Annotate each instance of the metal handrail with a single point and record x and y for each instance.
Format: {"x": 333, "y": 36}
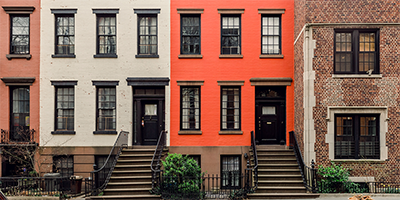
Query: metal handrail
{"x": 254, "y": 169}
{"x": 157, "y": 157}
{"x": 121, "y": 142}
{"x": 309, "y": 174}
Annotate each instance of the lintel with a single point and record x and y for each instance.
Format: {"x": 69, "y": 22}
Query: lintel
{"x": 18, "y": 80}
{"x": 148, "y": 81}
{"x": 284, "y": 81}
{"x": 190, "y": 83}
{"x": 147, "y": 11}
{"x": 63, "y": 11}
{"x": 230, "y": 83}
{"x": 190, "y": 10}
{"x": 64, "y": 83}
{"x": 271, "y": 10}
{"x": 230, "y": 11}
{"x": 105, "y": 10}
{"x": 19, "y": 9}
{"x": 105, "y": 83}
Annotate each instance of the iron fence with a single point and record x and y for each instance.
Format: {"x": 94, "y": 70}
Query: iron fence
{"x": 359, "y": 187}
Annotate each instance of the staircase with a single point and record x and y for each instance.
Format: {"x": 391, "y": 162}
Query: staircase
{"x": 279, "y": 175}
{"x": 131, "y": 178}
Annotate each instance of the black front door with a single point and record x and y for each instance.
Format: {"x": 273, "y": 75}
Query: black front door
{"x": 269, "y": 123}
{"x": 150, "y": 122}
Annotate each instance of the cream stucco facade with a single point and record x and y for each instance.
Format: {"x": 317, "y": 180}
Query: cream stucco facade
{"x": 84, "y": 68}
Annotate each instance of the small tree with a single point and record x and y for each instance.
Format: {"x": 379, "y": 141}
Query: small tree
{"x": 182, "y": 178}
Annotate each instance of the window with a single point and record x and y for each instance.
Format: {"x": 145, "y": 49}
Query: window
{"x": 230, "y": 171}
{"x": 19, "y": 34}
{"x": 190, "y": 34}
{"x": 147, "y": 35}
{"x": 230, "y": 108}
{"x": 197, "y": 158}
{"x": 63, "y": 165}
{"x": 106, "y": 34}
{"x": 271, "y": 34}
{"x": 230, "y": 34}
{"x": 190, "y": 108}
{"x": 106, "y": 109}
{"x": 65, "y": 104}
{"x": 20, "y": 113}
{"x": 65, "y": 34}
{"x": 356, "y": 51}
{"x": 357, "y": 136}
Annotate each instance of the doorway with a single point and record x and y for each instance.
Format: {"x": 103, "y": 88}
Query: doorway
{"x": 270, "y": 115}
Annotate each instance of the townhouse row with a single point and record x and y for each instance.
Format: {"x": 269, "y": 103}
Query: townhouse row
{"x": 207, "y": 72}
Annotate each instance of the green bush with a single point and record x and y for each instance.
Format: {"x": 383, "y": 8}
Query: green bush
{"x": 335, "y": 179}
{"x": 182, "y": 178}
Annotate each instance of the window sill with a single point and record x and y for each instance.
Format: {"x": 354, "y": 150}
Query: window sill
{"x": 105, "y": 132}
{"x": 18, "y": 56}
{"x": 146, "y": 56}
{"x": 230, "y": 56}
{"x": 359, "y": 160}
{"x": 190, "y": 132}
{"x": 63, "y": 132}
{"x": 356, "y": 76}
{"x": 230, "y": 132}
{"x": 271, "y": 56}
{"x": 105, "y": 56}
{"x": 183, "y": 56}
{"x": 63, "y": 56}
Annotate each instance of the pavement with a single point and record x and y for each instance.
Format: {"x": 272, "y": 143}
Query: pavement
{"x": 348, "y": 195}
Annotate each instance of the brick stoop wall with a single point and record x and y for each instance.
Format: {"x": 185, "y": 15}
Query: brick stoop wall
{"x": 369, "y": 92}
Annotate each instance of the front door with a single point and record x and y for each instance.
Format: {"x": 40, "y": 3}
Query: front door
{"x": 150, "y": 126}
{"x": 268, "y": 127}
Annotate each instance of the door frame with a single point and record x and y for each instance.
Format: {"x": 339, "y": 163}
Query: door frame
{"x": 281, "y": 102}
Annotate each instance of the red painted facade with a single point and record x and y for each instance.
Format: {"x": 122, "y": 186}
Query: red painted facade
{"x": 211, "y": 68}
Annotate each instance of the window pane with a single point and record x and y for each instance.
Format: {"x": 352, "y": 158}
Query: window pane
{"x": 190, "y": 108}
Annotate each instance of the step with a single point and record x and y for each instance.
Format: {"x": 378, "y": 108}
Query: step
{"x": 279, "y": 171}
{"x": 129, "y": 185}
{"x": 131, "y": 173}
{"x": 281, "y": 189}
{"x": 130, "y": 179}
{"x": 256, "y": 196}
{"x": 138, "y": 151}
{"x": 278, "y": 166}
{"x": 271, "y": 177}
{"x": 127, "y": 191}
{"x": 270, "y": 183}
{"x": 147, "y": 197}
{"x": 134, "y": 161}
{"x": 128, "y": 166}
{"x": 277, "y": 161}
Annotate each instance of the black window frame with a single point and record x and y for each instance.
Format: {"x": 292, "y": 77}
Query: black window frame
{"x": 105, "y": 130}
{"x": 238, "y": 172}
{"x": 239, "y": 108}
{"x": 355, "y": 51}
{"x": 149, "y": 55}
{"x": 181, "y": 108}
{"x": 21, "y": 131}
{"x": 239, "y": 35}
{"x": 64, "y": 165}
{"x": 105, "y": 55}
{"x": 56, "y": 112}
{"x": 280, "y": 33}
{"x": 11, "y": 34}
{"x": 182, "y": 36}
{"x": 356, "y": 137}
{"x": 56, "y": 36}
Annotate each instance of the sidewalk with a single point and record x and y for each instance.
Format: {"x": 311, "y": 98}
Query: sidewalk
{"x": 348, "y": 195}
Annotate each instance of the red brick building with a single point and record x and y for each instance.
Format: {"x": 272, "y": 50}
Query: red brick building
{"x": 19, "y": 74}
{"x": 347, "y": 85}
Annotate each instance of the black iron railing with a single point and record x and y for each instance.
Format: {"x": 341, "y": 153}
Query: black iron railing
{"x": 20, "y": 135}
{"x": 309, "y": 174}
{"x": 35, "y": 186}
{"x": 251, "y": 173}
{"x": 204, "y": 187}
{"x": 99, "y": 183}
{"x": 155, "y": 162}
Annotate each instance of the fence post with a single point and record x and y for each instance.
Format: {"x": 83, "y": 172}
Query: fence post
{"x": 313, "y": 178}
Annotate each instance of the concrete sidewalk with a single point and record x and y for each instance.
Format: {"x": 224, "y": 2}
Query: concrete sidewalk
{"x": 348, "y": 195}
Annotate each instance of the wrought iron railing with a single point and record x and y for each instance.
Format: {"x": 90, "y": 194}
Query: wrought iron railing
{"x": 251, "y": 173}
{"x": 35, "y": 186}
{"x": 155, "y": 162}
{"x": 98, "y": 183}
{"x": 20, "y": 135}
{"x": 309, "y": 174}
{"x": 204, "y": 187}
